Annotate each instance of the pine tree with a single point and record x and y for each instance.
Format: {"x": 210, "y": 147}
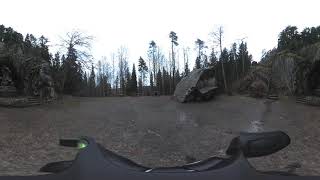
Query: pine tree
{"x": 213, "y": 58}
{"x": 92, "y": 82}
{"x": 159, "y": 81}
{"x": 233, "y": 59}
{"x": 177, "y": 76}
{"x": 71, "y": 71}
{"x": 289, "y": 39}
{"x": 167, "y": 82}
{"x": 85, "y": 85}
{"x": 174, "y": 42}
{"x": 77, "y": 45}
{"x": 44, "y": 49}
{"x": 186, "y": 69}
{"x": 142, "y": 68}
{"x": 198, "y": 63}
{"x": 56, "y": 62}
{"x": 200, "y": 46}
{"x": 151, "y": 81}
{"x": 140, "y": 86}
{"x": 134, "y": 88}
{"x": 224, "y": 58}
{"x": 244, "y": 58}
{"x": 205, "y": 61}
{"x": 128, "y": 82}
{"x": 186, "y": 61}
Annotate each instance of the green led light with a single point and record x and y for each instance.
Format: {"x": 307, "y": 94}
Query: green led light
{"x": 82, "y": 144}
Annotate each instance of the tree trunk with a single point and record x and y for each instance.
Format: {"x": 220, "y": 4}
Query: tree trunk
{"x": 174, "y": 67}
{"x": 163, "y": 86}
{"x": 103, "y": 84}
{"x": 222, "y": 66}
{"x": 237, "y": 74}
{"x": 154, "y": 67}
{"x": 142, "y": 89}
{"x": 242, "y": 65}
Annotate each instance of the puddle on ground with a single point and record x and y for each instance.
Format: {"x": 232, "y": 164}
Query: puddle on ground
{"x": 257, "y": 125}
{"x": 185, "y": 119}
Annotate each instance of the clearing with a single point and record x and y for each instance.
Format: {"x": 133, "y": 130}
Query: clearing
{"x": 157, "y": 131}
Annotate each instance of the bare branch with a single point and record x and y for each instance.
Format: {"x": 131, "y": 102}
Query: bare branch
{"x": 81, "y": 43}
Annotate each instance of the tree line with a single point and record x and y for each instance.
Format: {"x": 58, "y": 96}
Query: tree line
{"x": 73, "y": 71}
{"x": 292, "y": 40}
{"x": 159, "y": 75}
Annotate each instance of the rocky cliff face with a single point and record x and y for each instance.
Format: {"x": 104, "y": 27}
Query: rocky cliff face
{"x": 24, "y": 74}
{"x": 285, "y": 73}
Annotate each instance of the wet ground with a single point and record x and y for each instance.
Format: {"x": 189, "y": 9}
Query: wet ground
{"x": 156, "y": 131}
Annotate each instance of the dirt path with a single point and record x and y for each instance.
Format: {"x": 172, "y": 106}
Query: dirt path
{"x": 156, "y": 131}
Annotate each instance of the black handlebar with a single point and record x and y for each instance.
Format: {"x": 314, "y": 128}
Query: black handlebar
{"x": 95, "y": 163}
{"x": 258, "y": 144}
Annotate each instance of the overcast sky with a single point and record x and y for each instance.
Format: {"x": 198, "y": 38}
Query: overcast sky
{"x": 134, "y": 23}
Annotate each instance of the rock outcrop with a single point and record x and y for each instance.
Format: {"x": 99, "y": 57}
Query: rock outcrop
{"x": 24, "y": 75}
{"x": 46, "y": 83}
{"x": 285, "y": 73}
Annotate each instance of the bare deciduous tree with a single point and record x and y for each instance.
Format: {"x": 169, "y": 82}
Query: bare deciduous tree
{"x": 217, "y": 36}
{"x": 153, "y": 49}
{"x": 122, "y": 65}
{"x": 76, "y": 45}
{"x": 81, "y": 43}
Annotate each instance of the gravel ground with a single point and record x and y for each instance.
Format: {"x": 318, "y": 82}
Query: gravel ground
{"x": 157, "y": 131}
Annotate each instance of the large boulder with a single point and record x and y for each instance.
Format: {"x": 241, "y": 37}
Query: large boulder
{"x": 199, "y": 85}
{"x": 258, "y": 89}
